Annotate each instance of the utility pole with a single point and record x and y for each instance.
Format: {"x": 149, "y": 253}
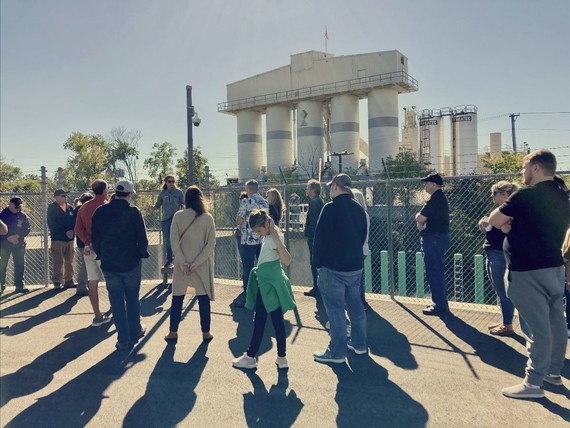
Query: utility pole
{"x": 513, "y": 117}
{"x": 340, "y": 155}
{"x": 189, "y": 116}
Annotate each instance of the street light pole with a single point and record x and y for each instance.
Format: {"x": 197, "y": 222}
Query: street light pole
{"x": 189, "y": 116}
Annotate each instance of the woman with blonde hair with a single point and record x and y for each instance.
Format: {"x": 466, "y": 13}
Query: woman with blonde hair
{"x": 276, "y": 205}
{"x": 193, "y": 238}
{"x": 496, "y": 263}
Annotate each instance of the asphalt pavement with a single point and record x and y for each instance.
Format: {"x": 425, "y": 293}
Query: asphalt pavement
{"x": 57, "y": 371}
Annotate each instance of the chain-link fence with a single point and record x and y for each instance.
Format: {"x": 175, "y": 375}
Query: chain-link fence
{"x": 394, "y": 267}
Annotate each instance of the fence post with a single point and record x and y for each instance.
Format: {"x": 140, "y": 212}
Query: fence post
{"x": 44, "y": 225}
{"x": 420, "y": 273}
{"x": 479, "y": 280}
{"x": 402, "y": 273}
{"x": 458, "y": 277}
{"x": 368, "y": 273}
{"x": 385, "y": 286}
{"x": 207, "y": 174}
{"x": 60, "y": 178}
{"x": 389, "y": 231}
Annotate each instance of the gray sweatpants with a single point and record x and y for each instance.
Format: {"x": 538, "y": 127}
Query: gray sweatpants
{"x": 538, "y": 296}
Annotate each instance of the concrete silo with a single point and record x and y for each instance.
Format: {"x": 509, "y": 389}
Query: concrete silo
{"x": 279, "y": 138}
{"x": 431, "y": 140}
{"x": 250, "y": 142}
{"x": 310, "y": 141}
{"x": 464, "y": 142}
{"x": 383, "y": 139}
{"x": 345, "y": 130}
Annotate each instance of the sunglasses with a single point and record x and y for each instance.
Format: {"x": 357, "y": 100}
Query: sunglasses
{"x": 497, "y": 192}
{"x": 171, "y": 181}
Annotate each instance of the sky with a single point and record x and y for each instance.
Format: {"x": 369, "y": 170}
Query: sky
{"x": 89, "y": 66}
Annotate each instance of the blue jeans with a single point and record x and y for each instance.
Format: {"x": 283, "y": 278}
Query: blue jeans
{"x": 248, "y": 255}
{"x": 123, "y": 289}
{"x": 19, "y": 255}
{"x": 314, "y": 270}
{"x": 165, "y": 226}
{"x": 340, "y": 289}
{"x": 496, "y": 268}
{"x": 434, "y": 248}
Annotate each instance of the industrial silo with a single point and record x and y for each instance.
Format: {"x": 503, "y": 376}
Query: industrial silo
{"x": 383, "y": 139}
{"x": 310, "y": 142}
{"x": 250, "y": 155}
{"x": 495, "y": 147}
{"x": 279, "y": 138}
{"x": 464, "y": 149}
{"x": 345, "y": 131}
{"x": 431, "y": 140}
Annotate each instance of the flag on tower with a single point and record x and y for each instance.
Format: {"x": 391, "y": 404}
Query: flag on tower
{"x": 326, "y": 33}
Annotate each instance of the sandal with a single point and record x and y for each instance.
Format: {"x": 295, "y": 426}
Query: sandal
{"x": 502, "y": 331}
{"x": 171, "y": 337}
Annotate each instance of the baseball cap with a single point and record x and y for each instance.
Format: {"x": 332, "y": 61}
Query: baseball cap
{"x": 16, "y": 200}
{"x": 434, "y": 178}
{"x": 342, "y": 180}
{"x": 60, "y": 192}
{"x": 125, "y": 186}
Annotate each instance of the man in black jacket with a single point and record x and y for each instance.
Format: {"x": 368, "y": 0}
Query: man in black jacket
{"x": 61, "y": 221}
{"x": 119, "y": 239}
{"x": 316, "y": 204}
{"x": 337, "y": 253}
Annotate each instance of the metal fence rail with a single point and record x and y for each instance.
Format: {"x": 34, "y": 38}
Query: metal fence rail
{"x": 395, "y": 266}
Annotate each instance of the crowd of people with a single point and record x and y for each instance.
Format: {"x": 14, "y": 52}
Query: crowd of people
{"x": 527, "y": 250}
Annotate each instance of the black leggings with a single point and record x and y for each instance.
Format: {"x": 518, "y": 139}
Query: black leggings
{"x": 176, "y": 312}
{"x": 259, "y": 327}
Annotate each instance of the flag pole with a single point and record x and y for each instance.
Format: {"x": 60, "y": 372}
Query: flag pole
{"x": 326, "y": 39}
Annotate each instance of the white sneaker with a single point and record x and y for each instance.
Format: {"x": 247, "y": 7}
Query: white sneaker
{"x": 244, "y": 362}
{"x": 357, "y": 351}
{"x": 282, "y": 363}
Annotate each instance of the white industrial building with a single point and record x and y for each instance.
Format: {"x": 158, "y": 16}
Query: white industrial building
{"x": 311, "y": 110}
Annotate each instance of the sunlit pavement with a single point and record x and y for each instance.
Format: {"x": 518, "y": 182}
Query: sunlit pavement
{"x": 421, "y": 371}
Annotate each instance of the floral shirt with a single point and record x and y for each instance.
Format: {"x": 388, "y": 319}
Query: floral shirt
{"x": 246, "y": 206}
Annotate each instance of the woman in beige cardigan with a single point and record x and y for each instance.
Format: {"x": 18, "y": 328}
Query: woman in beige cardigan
{"x": 193, "y": 238}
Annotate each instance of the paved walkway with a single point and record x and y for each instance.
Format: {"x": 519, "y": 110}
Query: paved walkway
{"x": 58, "y": 372}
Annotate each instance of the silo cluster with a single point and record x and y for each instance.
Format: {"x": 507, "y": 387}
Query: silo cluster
{"x": 464, "y": 141}
{"x": 311, "y": 110}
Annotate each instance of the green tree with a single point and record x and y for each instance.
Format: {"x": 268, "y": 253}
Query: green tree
{"x": 161, "y": 161}
{"x": 200, "y": 162}
{"x": 506, "y": 163}
{"x": 405, "y": 165}
{"x": 90, "y": 160}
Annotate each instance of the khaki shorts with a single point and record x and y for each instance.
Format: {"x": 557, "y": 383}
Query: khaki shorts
{"x": 93, "y": 267}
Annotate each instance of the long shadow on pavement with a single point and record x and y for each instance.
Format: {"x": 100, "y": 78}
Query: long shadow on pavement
{"x": 152, "y": 302}
{"x": 366, "y": 397}
{"x": 386, "y": 341}
{"x": 169, "y": 395}
{"x": 273, "y": 408}
{"x": 76, "y": 402}
{"x": 44, "y": 316}
{"x": 39, "y": 373}
{"x": 491, "y": 350}
{"x": 29, "y": 301}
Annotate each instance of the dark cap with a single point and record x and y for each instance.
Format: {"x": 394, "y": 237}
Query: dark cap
{"x": 434, "y": 178}
{"x": 60, "y": 192}
{"x": 342, "y": 180}
{"x": 85, "y": 197}
{"x": 16, "y": 200}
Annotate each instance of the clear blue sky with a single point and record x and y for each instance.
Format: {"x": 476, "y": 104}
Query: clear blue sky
{"x": 88, "y": 66}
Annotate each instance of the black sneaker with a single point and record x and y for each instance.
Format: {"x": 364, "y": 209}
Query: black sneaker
{"x": 2, "y": 288}
{"x": 68, "y": 284}
{"x": 57, "y": 285}
{"x": 313, "y": 292}
{"x": 22, "y": 290}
